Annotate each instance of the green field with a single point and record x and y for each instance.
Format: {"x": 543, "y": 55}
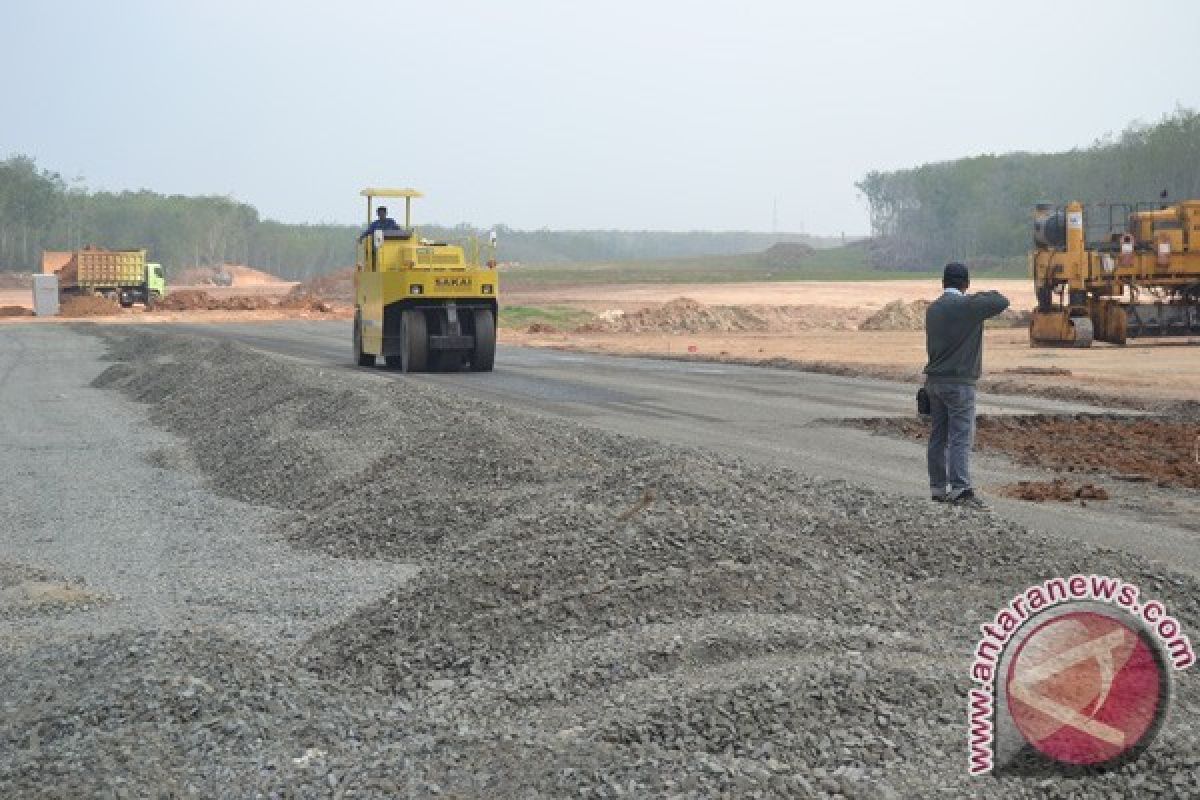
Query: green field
{"x": 560, "y": 317}
{"x": 845, "y": 263}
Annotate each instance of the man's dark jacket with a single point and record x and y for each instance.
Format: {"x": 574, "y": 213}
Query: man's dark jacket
{"x": 954, "y": 335}
{"x": 385, "y": 224}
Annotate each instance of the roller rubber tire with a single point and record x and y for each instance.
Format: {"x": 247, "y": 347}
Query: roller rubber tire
{"x": 363, "y": 359}
{"x": 483, "y": 357}
{"x": 414, "y": 338}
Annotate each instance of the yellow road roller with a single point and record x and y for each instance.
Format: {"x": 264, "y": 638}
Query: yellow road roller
{"x": 421, "y": 305}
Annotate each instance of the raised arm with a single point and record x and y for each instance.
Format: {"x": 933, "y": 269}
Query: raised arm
{"x": 988, "y": 304}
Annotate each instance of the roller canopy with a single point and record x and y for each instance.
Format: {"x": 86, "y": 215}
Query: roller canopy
{"x": 390, "y": 193}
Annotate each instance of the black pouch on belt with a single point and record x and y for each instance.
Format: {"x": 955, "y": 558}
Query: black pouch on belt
{"x": 923, "y": 402}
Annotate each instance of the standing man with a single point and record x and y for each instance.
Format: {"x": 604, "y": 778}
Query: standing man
{"x": 954, "y": 342}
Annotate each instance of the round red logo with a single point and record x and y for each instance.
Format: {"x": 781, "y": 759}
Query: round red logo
{"x": 1085, "y": 688}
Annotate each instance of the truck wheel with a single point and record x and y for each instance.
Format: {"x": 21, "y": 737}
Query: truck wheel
{"x": 414, "y": 341}
{"x": 363, "y": 359}
{"x": 483, "y": 357}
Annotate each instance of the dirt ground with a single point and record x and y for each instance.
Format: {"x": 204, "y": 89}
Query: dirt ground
{"x": 1165, "y": 452}
{"x": 1134, "y": 375}
{"x": 255, "y": 300}
{"x": 16, "y": 297}
{"x": 242, "y": 276}
{"x": 837, "y": 294}
{"x": 794, "y": 325}
{"x": 1141, "y": 465}
{"x": 1059, "y": 490}
{"x": 1139, "y": 374}
{"x": 15, "y": 289}
{"x": 800, "y": 324}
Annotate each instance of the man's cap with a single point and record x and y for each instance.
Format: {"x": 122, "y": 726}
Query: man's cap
{"x": 955, "y": 272}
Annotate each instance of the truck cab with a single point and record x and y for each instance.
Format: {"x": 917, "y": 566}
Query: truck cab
{"x": 156, "y": 283}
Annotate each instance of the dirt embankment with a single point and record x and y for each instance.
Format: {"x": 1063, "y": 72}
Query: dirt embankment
{"x": 595, "y": 613}
{"x": 88, "y": 306}
{"x": 1162, "y": 451}
{"x": 228, "y": 275}
{"x": 232, "y": 288}
{"x": 200, "y": 300}
{"x": 838, "y": 294}
{"x": 899, "y": 315}
{"x": 684, "y": 315}
{"x": 336, "y": 287}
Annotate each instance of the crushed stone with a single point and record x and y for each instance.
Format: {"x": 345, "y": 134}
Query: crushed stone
{"x": 596, "y": 615}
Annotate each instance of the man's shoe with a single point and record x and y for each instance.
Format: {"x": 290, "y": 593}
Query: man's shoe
{"x": 968, "y": 499}
{"x": 940, "y": 498}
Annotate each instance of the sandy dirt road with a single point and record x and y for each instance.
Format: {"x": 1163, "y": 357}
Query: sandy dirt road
{"x": 16, "y": 297}
{"x": 765, "y": 415}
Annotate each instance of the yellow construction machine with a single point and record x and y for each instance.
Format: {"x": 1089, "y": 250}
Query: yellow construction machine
{"x": 421, "y": 304}
{"x": 1115, "y": 272}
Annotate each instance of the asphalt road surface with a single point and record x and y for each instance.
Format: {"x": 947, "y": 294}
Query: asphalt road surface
{"x": 762, "y": 414}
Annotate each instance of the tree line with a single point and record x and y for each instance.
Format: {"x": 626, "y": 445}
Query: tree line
{"x": 39, "y": 210}
{"x": 979, "y": 209}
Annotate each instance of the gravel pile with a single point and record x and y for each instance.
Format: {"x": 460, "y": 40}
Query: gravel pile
{"x": 188, "y": 713}
{"x": 597, "y": 616}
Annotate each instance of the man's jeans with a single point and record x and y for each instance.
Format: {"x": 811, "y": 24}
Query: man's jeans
{"x": 952, "y": 412}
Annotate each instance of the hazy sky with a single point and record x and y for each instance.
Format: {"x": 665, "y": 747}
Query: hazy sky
{"x": 665, "y": 115}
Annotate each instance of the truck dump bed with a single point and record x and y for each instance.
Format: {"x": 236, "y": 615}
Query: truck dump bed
{"x": 103, "y": 269}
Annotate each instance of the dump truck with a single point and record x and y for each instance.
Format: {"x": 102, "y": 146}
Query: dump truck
{"x": 123, "y": 275}
{"x": 1115, "y": 271}
{"x": 419, "y": 304}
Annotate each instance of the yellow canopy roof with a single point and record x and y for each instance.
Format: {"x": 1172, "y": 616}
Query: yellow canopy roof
{"x": 390, "y": 193}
